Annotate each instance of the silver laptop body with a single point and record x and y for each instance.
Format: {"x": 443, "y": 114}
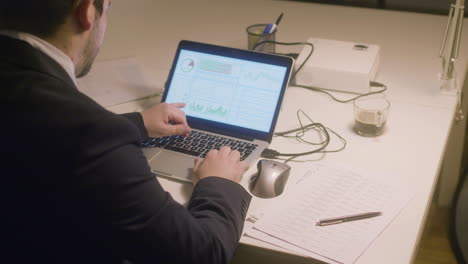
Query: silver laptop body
{"x": 230, "y": 94}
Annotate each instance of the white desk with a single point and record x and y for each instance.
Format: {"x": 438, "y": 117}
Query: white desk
{"x": 412, "y": 149}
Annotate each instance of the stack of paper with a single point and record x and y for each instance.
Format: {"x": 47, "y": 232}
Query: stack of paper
{"x": 325, "y": 192}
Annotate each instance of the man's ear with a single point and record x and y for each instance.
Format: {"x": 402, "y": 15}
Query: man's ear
{"x": 84, "y": 14}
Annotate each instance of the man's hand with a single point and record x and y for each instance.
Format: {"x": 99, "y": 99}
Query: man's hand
{"x": 166, "y": 120}
{"x": 222, "y": 163}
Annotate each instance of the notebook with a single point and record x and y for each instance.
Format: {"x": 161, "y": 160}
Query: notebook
{"x": 232, "y": 96}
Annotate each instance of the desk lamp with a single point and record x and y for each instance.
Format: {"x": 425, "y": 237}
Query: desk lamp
{"x": 450, "y": 47}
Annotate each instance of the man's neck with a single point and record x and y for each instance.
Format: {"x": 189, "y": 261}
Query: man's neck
{"x": 64, "y": 41}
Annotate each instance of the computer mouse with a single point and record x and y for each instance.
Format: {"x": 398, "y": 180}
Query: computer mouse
{"x": 270, "y": 179}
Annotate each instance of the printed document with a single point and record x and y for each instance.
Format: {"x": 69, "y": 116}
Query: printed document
{"x": 324, "y": 192}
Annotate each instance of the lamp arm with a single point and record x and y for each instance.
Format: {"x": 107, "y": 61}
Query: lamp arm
{"x": 452, "y": 38}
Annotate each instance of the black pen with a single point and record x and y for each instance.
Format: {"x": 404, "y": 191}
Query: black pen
{"x": 273, "y": 26}
{"x": 347, "y": 218}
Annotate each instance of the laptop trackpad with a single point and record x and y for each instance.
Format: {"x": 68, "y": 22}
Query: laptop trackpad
{"x": 174, "y": 164}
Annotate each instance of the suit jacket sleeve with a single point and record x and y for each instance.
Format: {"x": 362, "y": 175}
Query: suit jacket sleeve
{"x": 137, "y": 120}
{"x": 148, "y": 225}
{"x": 78, "y": 189}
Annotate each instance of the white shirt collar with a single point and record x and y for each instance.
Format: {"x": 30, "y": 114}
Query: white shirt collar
{"x": 45, "y": 47}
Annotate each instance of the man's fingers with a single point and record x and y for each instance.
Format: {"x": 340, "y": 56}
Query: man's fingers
{"x": 234, "y": 155}
{"x": 178, "y": 121}
{"x": 177, "y": 116}
{"x": 225, "y": 150}
{"x": 211, "y": 153}
{"x": 244, "y": 165}
{"x": 180, "y": 130}
{"x": 178, "y": 105}
{"x": 196, "y": 163}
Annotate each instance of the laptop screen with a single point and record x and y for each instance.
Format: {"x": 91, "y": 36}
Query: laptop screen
{"x": 229, "y": 87}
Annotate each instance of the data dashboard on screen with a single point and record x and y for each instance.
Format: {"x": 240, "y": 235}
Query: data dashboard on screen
{"x": 226, "y": 90}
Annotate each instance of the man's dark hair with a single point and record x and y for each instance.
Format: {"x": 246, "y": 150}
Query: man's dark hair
{"x": 38, "y": 17}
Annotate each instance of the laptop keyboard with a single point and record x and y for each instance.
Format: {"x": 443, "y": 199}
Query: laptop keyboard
{"x": 199, "y": 143}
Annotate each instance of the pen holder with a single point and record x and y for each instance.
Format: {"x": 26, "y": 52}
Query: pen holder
{"x": 255, "y": 35}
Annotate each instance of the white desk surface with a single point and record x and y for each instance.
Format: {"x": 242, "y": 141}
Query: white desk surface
{"x": 412, "y": 147}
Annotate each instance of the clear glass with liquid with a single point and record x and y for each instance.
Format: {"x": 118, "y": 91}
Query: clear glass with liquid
{"x": 370, "y": 115}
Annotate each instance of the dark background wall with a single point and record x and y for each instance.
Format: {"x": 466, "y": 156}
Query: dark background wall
{"x": 423, "y": 6}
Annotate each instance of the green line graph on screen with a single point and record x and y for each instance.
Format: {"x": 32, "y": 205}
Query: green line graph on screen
{"x": 209, "y": 110}
{"x": 260, "y": 78}
{"x": 255, "y": 76}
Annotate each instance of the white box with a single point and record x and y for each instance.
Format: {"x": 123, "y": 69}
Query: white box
{"x": 338, "y": 65}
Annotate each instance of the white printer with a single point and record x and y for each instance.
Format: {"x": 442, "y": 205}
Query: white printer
{"x": 338, "y": 65}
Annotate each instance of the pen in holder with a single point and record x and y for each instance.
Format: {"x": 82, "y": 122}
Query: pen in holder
{"x": 258, "y": 33}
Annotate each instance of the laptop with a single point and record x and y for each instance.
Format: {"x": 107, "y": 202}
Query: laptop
{"x": 232, "y": 96}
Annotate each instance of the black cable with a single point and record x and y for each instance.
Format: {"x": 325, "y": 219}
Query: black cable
{"x": 289, "y": 44}
{"x": 301, "y": 131}
{"x": 372, "y": 84}
{"x": 273, "y": 154}
{"x": 323, "y": 146}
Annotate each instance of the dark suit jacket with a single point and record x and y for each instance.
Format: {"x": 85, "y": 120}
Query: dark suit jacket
{"x": 76, "y": 188}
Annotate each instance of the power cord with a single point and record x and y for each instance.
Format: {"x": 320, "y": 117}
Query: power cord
{"x": 301, "y": 131}
{"x": 372, "y": 84}
{"x": 289, "y": 54}
{"x": 299, "y": 135}
{"x": 293, "y": 75}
